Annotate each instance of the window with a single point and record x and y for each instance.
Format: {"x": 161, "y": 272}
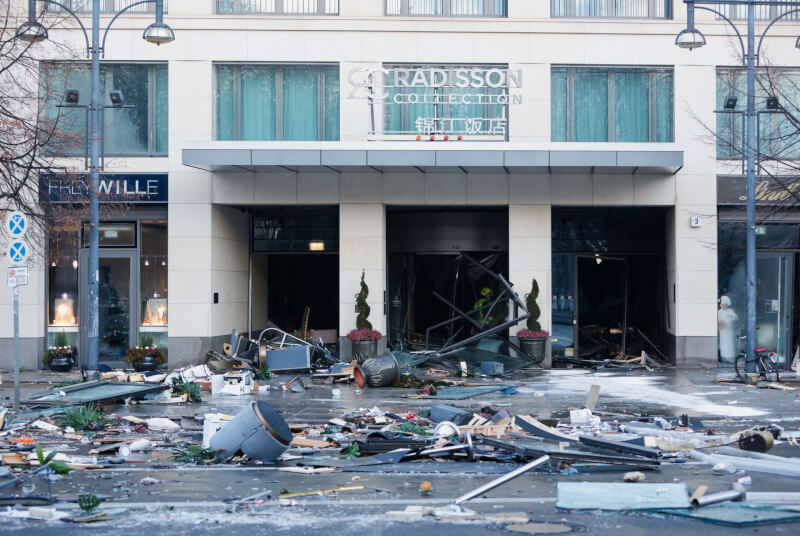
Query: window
{"x": 277, "y": 102}
{"x": 778, "y": 135}
{"x": 112, "y": 235}
{"x": 106, "y": 6}
{"x": 138, "y": 130}
{"x": 447, "y": 8}
{"x": 761, "y": 12}
{"x": 278, "y": 7}
{"x": 591, "y": 104}
{"x": 459, "y": 100}
{"x": 617, "y": 9}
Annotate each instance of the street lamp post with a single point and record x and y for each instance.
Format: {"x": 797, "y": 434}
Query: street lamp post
{"x": 158, "y": 33}
{"x": 691, "y": 38}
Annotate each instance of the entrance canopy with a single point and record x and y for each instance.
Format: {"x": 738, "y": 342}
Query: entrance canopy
{"x": 633, "y": 158}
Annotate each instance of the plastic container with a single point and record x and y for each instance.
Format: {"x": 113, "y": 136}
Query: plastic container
{"x": 258, "y": 431}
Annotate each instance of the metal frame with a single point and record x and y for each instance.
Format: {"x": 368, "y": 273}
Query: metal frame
{"x": 568, "y": 9}
{"x": 320, "y": 69}
{"x": 279, "y": 10}
{"x": 652, "y": 72}
{"x": 446, "y": 10}
{"x": 132, "y": 254}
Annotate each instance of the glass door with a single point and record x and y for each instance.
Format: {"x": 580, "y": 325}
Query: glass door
{"x": 774, "y": 273}
{"x": 118, "y": 307}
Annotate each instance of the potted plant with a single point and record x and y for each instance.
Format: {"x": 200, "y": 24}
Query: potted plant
{"x": 364, "y": 338}
{"x": 146, "y": 356}
{"x": 532, "y": 340}
{"x": 61, "y": 356}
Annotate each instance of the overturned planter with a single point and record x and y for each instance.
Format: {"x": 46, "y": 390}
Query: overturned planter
{"x": 258, "y": 431}
{"x": 381, "y": 371}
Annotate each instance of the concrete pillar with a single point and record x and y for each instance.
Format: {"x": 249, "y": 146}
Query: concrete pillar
{"x": 530, "y": 255}
{"x": 362, "y": 246}
{"x": 692, "y": 251}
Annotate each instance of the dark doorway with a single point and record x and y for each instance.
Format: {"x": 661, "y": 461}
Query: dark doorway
{"x": 424, "y": 245}
{"x": 602, "y": 311}
{"x": 609, "y": 282}
{"x": 295, "y": 282}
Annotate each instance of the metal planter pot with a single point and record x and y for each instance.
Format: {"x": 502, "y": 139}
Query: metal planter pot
{"x": 148, "y": 363}
{"x": 381, "y": 371}
{"x": 534, "y": 348}
{"x": 258, "y": 431}
{"x": 363, "y": 350}
{"x": 61, "y": 364}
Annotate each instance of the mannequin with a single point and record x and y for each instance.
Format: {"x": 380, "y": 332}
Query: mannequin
{"x": 726, "y": 320}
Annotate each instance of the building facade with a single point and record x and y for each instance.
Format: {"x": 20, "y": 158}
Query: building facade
{"x": 278, "y": 150}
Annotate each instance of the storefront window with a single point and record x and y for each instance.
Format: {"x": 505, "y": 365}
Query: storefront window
{"x": 277, "y": 102}
{"x": 153, "y": 280}
{"x": 774, "y": 278}
{"x": 592, "y": 104}
{"x": 138, "y": 128}
{"x": 63, "y": 287}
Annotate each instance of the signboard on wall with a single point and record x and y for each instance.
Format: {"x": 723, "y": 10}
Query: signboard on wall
{"x": 113, "y": 188}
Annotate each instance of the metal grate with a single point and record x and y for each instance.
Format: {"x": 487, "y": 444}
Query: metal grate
{"x": 612, "y": 9}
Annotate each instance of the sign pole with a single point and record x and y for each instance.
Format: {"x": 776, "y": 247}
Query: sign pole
{"x": 16, "y": 350}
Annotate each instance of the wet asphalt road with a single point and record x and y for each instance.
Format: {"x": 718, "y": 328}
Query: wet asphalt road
{"x": 198, "y": 500}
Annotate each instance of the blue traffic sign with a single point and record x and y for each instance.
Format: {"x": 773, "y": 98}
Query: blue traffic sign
{"x": 17, "y": 252}
{"x": 16, "y": 224}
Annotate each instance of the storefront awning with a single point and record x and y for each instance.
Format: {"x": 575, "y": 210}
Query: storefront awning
{"x": 514, "y": 157}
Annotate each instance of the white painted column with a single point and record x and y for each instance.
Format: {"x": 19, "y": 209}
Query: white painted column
{"x": 692, "y": 260}
{"x": 530, "y": 255}
{"x": 362, "y": 246}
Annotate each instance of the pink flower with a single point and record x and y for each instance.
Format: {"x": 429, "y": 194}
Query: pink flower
{"x": 528, "y": 334}
{"x": 366, "y": 334}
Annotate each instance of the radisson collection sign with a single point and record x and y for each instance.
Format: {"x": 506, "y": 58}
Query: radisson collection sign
{"x": 449, "y": 89}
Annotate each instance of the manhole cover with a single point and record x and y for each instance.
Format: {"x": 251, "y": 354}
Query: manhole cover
{"x": 540, "y": 528}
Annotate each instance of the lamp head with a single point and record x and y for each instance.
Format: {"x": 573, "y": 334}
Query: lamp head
{"x": 31, "y": 32}
{"x": 73, "y": 96}
{"x": 158, "y": 33}
{"x": 117, "y": 99}
{"x": 690, "y": 39}
{"x": 773, "y": 103}
{"x": 730, "y": 102}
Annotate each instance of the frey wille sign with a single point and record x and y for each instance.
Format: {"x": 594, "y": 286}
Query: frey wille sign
{"x": 113, "y": 188}
{"x": 769, "y": 191}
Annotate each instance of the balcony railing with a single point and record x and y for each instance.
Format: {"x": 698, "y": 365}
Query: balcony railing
{"x": 106, "y": 6}
{"x": 447, "y": 8}
{"x": 612, "y": 9}
{"x": 762, "y": 12}
{"x": 278, "y": 7}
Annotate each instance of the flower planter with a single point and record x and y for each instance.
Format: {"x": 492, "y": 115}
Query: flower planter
{"x": 61, "y": 364}
{"x": 149, "y": 362}
{"x": 534, "y": 348}
{"x": 363, "y": 350}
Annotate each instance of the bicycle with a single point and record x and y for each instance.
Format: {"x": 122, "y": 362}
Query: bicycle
{"x": 765, "y": 366}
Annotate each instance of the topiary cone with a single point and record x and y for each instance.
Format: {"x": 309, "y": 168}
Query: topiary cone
{"x": 533, "y": 307}
{"x": 362, "y": 307}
